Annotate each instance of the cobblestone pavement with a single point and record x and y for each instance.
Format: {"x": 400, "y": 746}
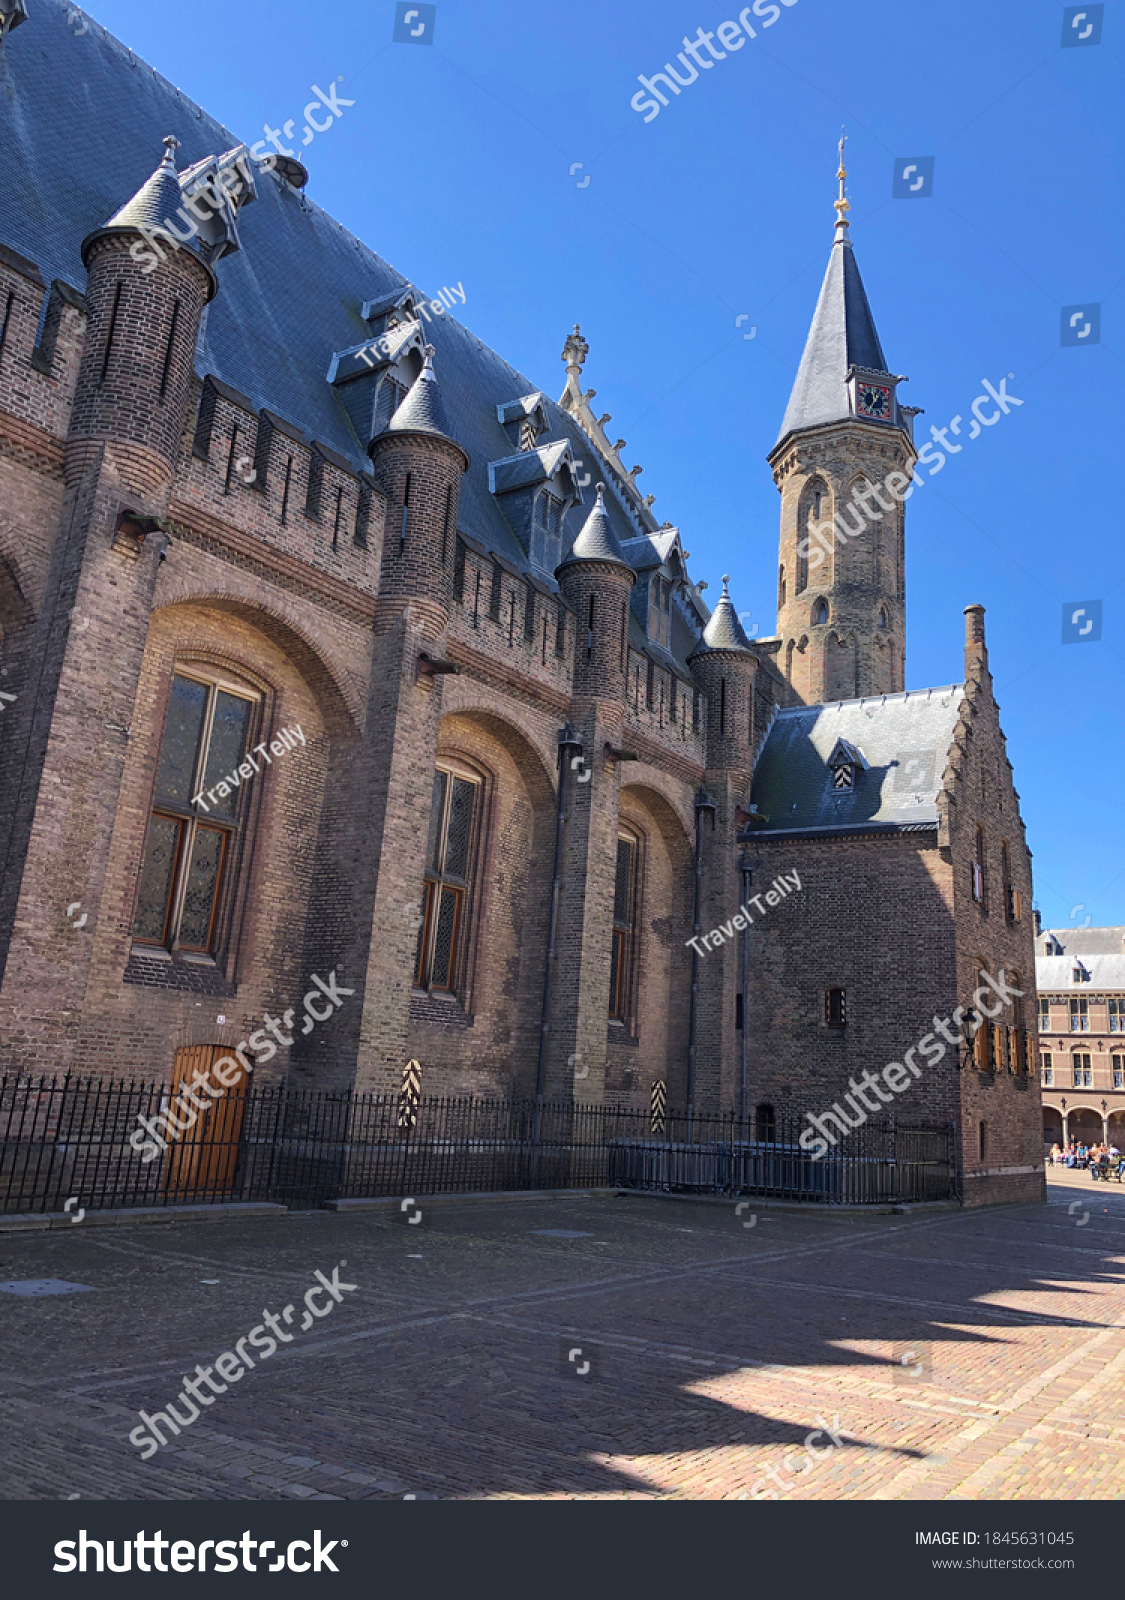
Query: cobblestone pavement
{"x": 718, "y": 1342}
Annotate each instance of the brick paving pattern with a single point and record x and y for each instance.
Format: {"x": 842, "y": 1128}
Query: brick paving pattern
{"x": 715, "y": 1350}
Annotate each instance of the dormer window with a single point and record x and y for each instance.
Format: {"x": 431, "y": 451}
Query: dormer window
{"x": 660, "y": 611}
{"x": 845, "y": 764}
{"x": 524, "y": 420}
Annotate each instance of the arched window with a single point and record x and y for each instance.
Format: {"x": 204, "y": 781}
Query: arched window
{"x": 451, "y": 852}
{"x": 622, "y": 959}
{"x": 882, "y": 616}
{"x": 808, "y": 516}
{"x": 199, "y": 811}
{"x": 820, "y": 613}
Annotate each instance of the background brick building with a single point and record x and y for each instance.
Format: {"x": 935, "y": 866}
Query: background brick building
{"x": 252, "y": 480}
{"x": 1081, "y": 980}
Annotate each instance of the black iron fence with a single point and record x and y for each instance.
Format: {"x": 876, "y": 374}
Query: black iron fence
{"x": 111, "y": 1144}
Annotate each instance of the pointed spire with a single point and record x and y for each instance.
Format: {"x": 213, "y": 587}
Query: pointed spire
{"x": 423, "y": 410}
{"x": 842, "y": 334}
{"x": 842, "y": 207}
{"x": 724, "y": 632}
{"x": 596, "y": 539}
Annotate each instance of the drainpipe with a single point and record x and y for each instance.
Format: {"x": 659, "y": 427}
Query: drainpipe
{"x": 703, "y": 803}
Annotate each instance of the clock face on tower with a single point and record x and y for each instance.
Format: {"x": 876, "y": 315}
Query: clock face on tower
{"x": 872, "y": 400}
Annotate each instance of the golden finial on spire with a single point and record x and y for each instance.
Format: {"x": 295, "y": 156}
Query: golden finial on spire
{"x": 842, "y": 207}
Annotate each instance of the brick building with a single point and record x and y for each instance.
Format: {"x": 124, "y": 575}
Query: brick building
{"x": 253, "y": 480}
{"x": 1080, "y": 973}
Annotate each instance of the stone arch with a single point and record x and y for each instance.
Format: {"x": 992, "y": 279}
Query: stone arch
{"x": 862, "y": 529}
{"x": 339, "y": 695}
{"x": 1052, "y": 1126}
{"x": 1084, "y": 1123}
{"x": 841, "y": 667}
{"x": 488, "y": 1041}
{"x": 660, "y": 811}
{"x": 814, "y": 508}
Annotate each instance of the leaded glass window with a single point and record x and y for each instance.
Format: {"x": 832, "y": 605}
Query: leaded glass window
{"x": 621, "y": 949}
{"x": 196, "y": 813}
{"x": 443, "y": 933}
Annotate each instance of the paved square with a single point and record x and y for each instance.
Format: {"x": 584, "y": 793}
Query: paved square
{"x": 726, "y": 1361}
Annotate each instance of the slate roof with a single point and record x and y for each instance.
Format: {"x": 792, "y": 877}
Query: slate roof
{"x": 1084, "y": 941}
{"x": 842, "y": 335}
{"x": 1057, "y": 972}
{"x": 81, "y": 125}
{"x": 905, "y": 740}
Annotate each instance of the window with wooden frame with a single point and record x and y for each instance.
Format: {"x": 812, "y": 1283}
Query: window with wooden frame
{"x": 983, "y": 1043}
{"x": 447, "y": 884}
{"x": 978, "y": 870}
{"x": 1017, "y": 1062}
{"x": 198, "y": 812}
{"x": 1046, "y": 1069}
{"x": 1083, "y": 1076}
{"x": 835, "y": 1008}
{"x": 1044, "y": 1014}
{"x": 1080, "y": 1015}
{"x": 1118, "y": 1064}
{"x": 1116, "y": 1015}
{"x": 622, "y": 955}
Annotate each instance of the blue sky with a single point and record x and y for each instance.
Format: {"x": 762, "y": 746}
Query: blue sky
{"x": 454, "y": 164}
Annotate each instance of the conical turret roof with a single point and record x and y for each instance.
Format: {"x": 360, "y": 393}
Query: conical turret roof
{"x": 596, "y": 539}
{"x": 423, "y": 410}
{"x": 724, "y": 633}
{"x": 157, "y": 200}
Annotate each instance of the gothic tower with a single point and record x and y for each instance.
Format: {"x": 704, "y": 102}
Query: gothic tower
{"x": 842, "y": 461}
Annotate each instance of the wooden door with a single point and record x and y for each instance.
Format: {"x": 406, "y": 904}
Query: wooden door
{"x": 204, "y": 1158}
